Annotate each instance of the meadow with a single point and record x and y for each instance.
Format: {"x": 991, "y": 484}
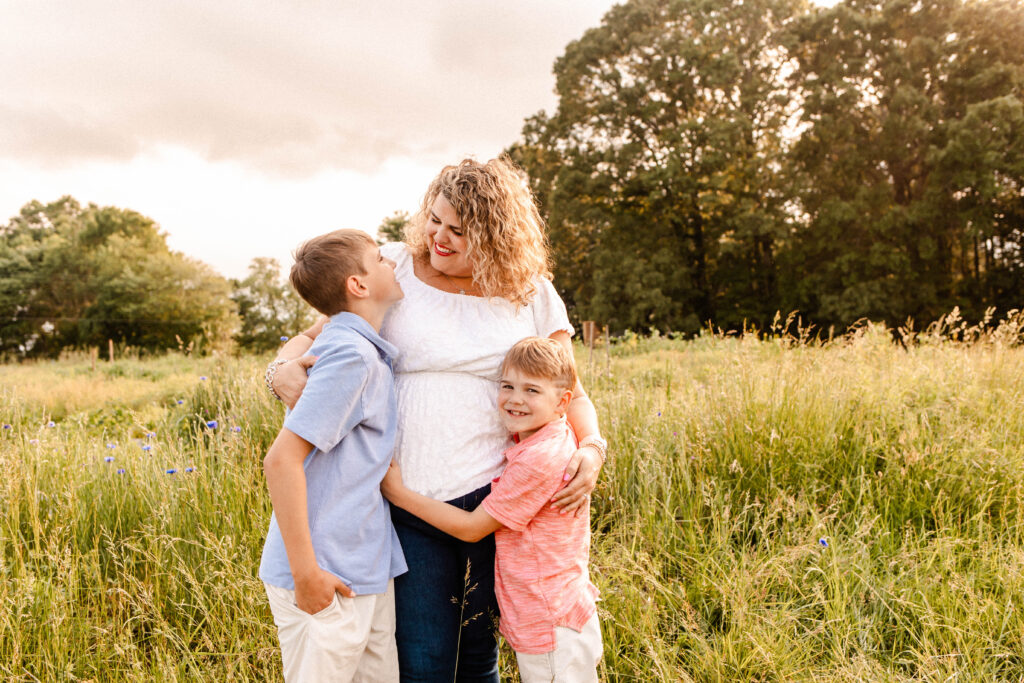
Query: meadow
{"x": 774, "y": 509}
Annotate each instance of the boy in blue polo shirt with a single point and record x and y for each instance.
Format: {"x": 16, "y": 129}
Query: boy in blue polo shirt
{"x": 331, "y": 553}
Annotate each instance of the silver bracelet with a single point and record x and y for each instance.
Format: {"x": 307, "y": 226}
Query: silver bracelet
{"x": 268, "y": 377}
{"x": 598, "y": 443}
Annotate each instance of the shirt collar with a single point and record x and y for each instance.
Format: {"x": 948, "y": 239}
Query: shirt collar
{"x": 549, "y": 430}
{"x": 358, "y": 323}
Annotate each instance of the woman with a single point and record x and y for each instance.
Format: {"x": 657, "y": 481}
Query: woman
{"x": 474, "y": 271}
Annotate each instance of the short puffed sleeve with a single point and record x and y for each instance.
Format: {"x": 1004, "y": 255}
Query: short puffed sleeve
{"x": 549, "y": 314}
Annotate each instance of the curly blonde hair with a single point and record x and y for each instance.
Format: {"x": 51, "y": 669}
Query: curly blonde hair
{"x": 502, "y": 226}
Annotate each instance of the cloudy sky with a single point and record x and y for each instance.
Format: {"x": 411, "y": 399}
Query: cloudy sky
{"x": 244, "y": 127}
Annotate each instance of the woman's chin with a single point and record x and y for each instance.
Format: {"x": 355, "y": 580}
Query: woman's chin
{"x": 448, "y": 266}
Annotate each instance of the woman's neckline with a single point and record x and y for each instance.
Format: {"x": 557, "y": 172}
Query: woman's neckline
{"x": 440, "y": 277}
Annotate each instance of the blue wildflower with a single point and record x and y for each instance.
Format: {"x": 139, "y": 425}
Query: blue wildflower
{"x": 150, "y": 435}
{"x": 236, "y": 429}
{"x": 659, "y": 413}
{"x": 6, "y": 426}
{"x": 180, "y": 402}
{"x": 120, "y": 471}
{"x": 823, "y": 542}
{"x": 171, "y": 471}
{"x": 51, "y": 423}
{"x": 109, "y": 458}
{"x": 283, "y": 338}
{"x": 202, "y": 378}
{"x": 190, "y": 469}
{"x": 212, "y": 424}
{"x": 147, "y": 447}
{"x": 111, "y": 445}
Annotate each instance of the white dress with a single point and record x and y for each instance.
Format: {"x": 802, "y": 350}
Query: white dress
{"x": 450, "y": 440}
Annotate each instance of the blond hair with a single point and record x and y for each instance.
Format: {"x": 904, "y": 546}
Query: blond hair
{"x": 324, "y": 264}
{"x": 501, "y": 224}
{"x": 542, "y": 357}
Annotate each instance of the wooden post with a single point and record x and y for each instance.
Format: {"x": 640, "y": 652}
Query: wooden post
{"x": 94, "y": 353}
{"x": 110, "y": 349}
{"x": 608, "y": 349}
{"x": 589, "y": 328}
{"x": 588, "y": 338}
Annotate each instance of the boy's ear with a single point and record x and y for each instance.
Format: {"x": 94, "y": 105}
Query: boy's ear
{"x": 355, "y": 288}
{"x": 563, "y": 403}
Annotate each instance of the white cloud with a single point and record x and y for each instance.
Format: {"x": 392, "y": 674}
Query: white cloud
{"x": 288, "y": 87}
{"x": 243, "y": 127}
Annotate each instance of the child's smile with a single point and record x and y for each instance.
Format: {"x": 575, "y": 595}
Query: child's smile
{"x": 528, "y": 403}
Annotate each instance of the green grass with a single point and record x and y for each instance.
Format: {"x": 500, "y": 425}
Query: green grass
{"x": 731, "y": 459}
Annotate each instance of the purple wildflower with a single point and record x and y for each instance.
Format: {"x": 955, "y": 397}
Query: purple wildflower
{"x": 823, "y": 542}
{"x": 171, "y": 471}
{"x": 212, "y": 424}
{"x": 109, "y": 458}
{"x": 120, "y": 471}
{"x": 147, "y": 447}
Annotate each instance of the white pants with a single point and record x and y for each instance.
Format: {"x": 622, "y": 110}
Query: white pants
{"x": 352, "y": 639}
{"x": 574, "y": 659}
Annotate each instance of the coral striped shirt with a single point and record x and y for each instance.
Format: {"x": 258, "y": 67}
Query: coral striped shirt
{"x": 541, "y": 577}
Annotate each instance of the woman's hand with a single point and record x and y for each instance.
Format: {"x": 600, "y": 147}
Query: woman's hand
{"x": 582, "y": 471}
{"x": 290, "y": 379}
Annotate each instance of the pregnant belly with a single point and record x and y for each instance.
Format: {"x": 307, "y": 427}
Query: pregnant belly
{"x": 450, "y": 440}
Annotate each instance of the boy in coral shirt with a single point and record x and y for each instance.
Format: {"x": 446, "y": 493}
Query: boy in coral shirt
{"x": 547, "y": 602}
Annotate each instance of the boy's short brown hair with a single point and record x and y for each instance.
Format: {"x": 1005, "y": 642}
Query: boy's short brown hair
{"x": 324, "y": 264}
{"x": 542, "y": 357}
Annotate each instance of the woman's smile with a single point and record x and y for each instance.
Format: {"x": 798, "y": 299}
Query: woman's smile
{"x": 448, "y": 244}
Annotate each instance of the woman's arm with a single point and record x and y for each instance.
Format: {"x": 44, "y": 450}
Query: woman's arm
{"x": 585, "y": 464}
{"x": 290, "y": 378}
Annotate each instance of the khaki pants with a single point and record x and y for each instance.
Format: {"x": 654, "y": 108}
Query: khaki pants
{"x": 574, "y": 659}
{"x": 352, "y": 639}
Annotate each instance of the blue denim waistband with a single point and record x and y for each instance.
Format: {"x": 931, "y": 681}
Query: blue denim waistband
{"x": 470, "y": 501}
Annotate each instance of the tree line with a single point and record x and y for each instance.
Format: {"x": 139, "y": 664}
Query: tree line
{"x": 76, "y": 277}
{"x": 718, "y": 161}
{"x": 709, "y": 162}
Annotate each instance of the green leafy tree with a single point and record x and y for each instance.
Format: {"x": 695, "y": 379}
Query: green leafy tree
{"x": 75, "y": 277}
{"x": 909, "y": 161}
{"x": 268, "y": 306}
{"x": 391, "y": 228}
{"x": 154, "y": 298}
{"x": 658, "y": 172}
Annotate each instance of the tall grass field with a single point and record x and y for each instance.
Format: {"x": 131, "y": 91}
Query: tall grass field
{"x": 772, "y": 510}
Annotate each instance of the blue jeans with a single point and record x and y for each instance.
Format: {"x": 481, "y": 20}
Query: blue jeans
{"x": 445, "y": 608}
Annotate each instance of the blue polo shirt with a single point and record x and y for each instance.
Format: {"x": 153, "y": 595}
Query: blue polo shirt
{"x": 348, "y": 412}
